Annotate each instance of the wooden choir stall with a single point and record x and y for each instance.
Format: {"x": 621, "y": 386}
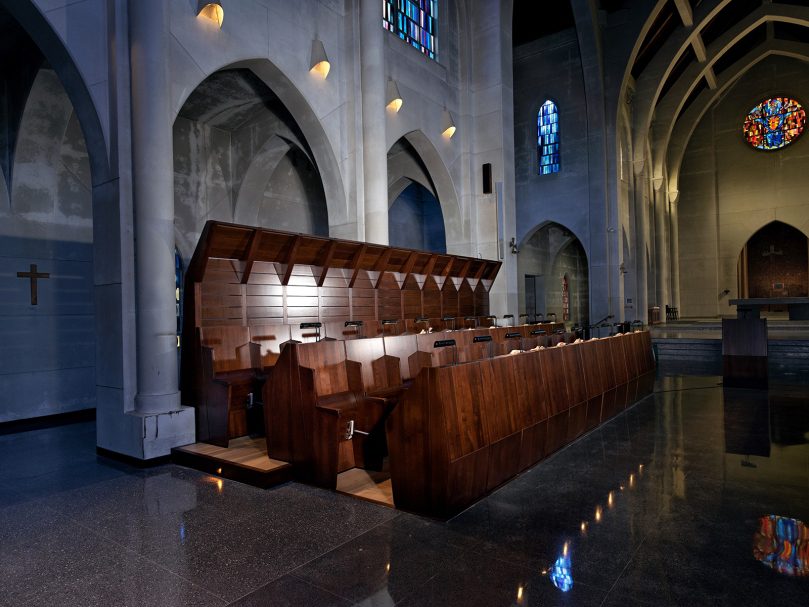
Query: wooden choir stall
{"x": 380, "y": 370}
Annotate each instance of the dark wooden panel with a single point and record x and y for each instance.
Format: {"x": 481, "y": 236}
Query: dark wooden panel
{"x": 574, "y": 374}
{"x": 553, "y": 372}
{"x": 431, "y": 296}
{"x": 532, "y": 444}
{"x": 401, "y": 347}
{"x": 504, "y": 460}
{"x": 411, "y": 298}
{"x": 449, "y": 299}
{"x": 481, "y": 300}
{"x": 269, "y": 338}
{"x": 464, "y": 397}
{"x": 466, "y": 300}
{"x": 619, "y": 362}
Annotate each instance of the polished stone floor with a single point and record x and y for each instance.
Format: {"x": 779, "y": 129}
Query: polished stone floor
{"x": 661, "y": 506}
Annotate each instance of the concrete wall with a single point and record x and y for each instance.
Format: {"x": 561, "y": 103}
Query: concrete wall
{"x": 47, "y": 351}
{"x": 550, "y": 68}
{"x": 728, "y": 190}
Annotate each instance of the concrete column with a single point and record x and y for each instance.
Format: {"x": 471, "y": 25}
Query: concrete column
{"x": 661, "y": 251}
{"x": 153, "y": 189}
{"x": 374, "y": 147}
{"x": 641, "y": 240}
{"x": 674, "y": 231}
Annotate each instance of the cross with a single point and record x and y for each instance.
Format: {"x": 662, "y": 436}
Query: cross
{"x": 33, "y": 275}
{"x": 772, "y": 251}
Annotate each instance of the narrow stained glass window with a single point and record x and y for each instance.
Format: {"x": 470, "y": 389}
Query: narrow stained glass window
{"x": 774, "y": 123}
{"x": 415, "y": 22}
{"x": 548, "y": 138}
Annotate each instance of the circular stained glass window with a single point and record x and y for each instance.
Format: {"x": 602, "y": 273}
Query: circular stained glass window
{"x": 774, "y": 123}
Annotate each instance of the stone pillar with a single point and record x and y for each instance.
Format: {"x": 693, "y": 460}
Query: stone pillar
{"x": 641, "y": 240}
{"x": 674, "y": 231}
{"x": 661, "y": 251}
{"x": 153, "y": 192}
{"x": 374, "y": 147}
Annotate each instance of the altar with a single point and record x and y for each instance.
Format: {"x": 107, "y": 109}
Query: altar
{"x": 797, "y": 307}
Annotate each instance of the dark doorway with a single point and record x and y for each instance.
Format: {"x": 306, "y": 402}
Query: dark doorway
{"x": 775, "y": 263}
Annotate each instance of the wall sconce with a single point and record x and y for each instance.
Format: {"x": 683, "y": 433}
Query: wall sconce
{"x": 513, "y": 245}
{"x": 212, "y": 11}
{"x": 622, "y": 269}
{"x": 393, "y": 96}
{"x": 320, "y": 62}
{"x": 447, "y": 124}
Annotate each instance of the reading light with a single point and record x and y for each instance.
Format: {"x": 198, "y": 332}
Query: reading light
{"x": 212, "y": 11}
{"x": 393, "y": 96}
{"x": 447, "y": 124}
{"x": 320, "y": 62}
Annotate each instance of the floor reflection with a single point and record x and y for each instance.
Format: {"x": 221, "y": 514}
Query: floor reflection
{"x": 782, "y": 544}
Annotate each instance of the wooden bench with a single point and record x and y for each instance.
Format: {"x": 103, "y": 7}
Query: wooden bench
{"x": 317, "y": 410}
{"x": 229, "y": 364}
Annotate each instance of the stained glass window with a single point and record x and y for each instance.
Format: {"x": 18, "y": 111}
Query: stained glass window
{"x": 414, "y": 21}
{"x": 774, "y": 123}
{"x": 548, "y": 138}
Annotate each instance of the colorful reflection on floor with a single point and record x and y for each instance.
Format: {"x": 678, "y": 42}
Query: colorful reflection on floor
{"x": 782, "y": 544}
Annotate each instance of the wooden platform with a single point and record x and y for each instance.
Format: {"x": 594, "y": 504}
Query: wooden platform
{"x": 244, "y": 460}
{"x": 368, "y": 485}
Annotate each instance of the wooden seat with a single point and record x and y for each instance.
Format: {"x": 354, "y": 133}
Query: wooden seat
{"x": 229, "y": 378}
{"x": 269, "y": 339}
{"x": 316, "y": 401}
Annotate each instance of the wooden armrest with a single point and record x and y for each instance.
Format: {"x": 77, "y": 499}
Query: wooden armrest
{"x": 339, "y": 403}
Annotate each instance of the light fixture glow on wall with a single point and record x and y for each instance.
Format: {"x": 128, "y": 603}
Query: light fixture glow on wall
{"x": 447, "y": 124}
{"x": 320, "y": 62}
{"x": 212, "y": 11}
{"x": 393, "y": 97}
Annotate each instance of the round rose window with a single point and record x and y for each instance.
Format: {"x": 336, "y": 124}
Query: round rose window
{"x": 774, "y": 123}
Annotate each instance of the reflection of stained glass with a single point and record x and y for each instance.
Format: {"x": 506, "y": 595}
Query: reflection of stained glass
{"x": 414, "y": 21}
{"x": 783, "y": 544}
{"x": 561, "y": 575}
{"x": 548, "y": 138}
{"x": 774, "y": 123}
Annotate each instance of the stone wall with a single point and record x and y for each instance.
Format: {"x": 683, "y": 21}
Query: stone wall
{"x": 728, "y": 190}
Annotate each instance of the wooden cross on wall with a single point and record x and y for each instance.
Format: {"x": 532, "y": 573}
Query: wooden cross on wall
{"x": 33, "y": 275}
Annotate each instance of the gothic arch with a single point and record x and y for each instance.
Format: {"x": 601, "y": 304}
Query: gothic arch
{"x": 316, "y": 144}
{"x": 442, "y": 186}
{"x": 58, "y": 56}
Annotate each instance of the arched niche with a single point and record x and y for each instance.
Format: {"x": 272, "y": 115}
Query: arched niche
{"x": 240, "y": 156}
{"x": 310, "y": 136}
{"x": 774, "y": 262}
{"x": 415, "y": 220}
{"x": 414, "y": 159}
{"x": 547, "y": 254}
{"x": 59, "y": 211}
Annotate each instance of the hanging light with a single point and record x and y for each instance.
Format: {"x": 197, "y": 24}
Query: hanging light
{"x": 447, "y": 124}
{"x": 320, "y": 62}
{"x": 212, "y": 11}
{"x": 393, "y": 96}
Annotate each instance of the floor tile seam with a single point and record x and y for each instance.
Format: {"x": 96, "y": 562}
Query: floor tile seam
{"x": 716, "y": 387}
{"x": 147, "y": 559}
{"x": 623, "y": 570}
{"x": 299, "y": 579}
{"x": 351, "y": 600}
{"x": 292, "y": 571}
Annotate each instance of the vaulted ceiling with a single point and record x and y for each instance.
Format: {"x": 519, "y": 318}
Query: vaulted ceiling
{"x": 689, "y": 53}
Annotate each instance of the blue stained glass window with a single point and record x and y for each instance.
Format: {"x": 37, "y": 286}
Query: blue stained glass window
{"x": 548, "y": 138}
{"x": 415, "y": 22}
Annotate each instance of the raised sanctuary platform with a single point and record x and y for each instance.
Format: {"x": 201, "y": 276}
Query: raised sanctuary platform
{"x": 797, "y": 307}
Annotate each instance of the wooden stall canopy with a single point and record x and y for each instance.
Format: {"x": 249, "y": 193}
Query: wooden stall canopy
{"x": 252, "y": 245}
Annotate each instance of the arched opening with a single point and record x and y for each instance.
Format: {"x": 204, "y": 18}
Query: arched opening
{"x": 415, "y": 220}
{"x": 415, "y": 216}
{"x": 240, "y": 156}
{"x": 52, "y": 161}
{"x": 774, "y": 262}
{"x": 553, "y": 273}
